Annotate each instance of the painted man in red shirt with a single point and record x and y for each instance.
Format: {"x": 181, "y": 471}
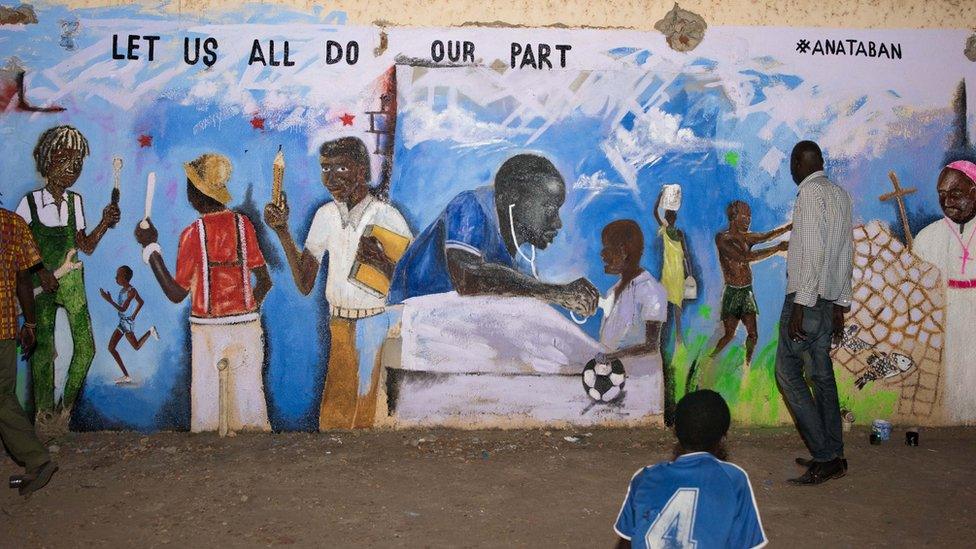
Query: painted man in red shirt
{"x": 217, "y": 255}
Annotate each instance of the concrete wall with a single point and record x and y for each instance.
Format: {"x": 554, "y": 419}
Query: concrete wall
{"x": 622, "y": 115}
{"x": 879, "y": 14}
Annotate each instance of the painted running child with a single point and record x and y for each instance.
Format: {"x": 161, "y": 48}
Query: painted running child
{"x": 127, "y": 294}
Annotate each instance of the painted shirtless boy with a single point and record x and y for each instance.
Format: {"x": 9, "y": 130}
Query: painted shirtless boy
{"x": 736, "y": 256}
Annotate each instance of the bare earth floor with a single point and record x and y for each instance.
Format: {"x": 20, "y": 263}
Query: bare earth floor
{"x": 465, "y": 488}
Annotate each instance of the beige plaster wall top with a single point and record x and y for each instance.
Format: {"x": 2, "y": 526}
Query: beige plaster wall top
{"x": 635, "y": 14}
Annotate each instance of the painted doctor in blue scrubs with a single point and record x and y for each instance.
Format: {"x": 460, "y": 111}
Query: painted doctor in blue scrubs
{"x": 475, "y": 245}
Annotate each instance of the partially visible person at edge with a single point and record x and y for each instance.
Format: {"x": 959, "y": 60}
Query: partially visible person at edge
{"x": 56, "y": 217}
{"x": 357, "y": 316}
{"x": 819, "y": 268}
{"x": 947, "y": 243}
{"x": 697, "y": 499}
{"x": 217, "y": 255}
{"x": 19, "y": 258}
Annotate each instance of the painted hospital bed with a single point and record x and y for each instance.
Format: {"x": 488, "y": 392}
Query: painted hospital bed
{"x": 488, "y": 361}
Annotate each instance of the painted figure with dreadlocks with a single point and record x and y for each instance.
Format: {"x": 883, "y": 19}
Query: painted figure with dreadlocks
{"x": 56, "y": 217}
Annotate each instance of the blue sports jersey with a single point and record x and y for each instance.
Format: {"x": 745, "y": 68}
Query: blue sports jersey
{"x": 469, "y": 223}
{"x": 695, "y": 501}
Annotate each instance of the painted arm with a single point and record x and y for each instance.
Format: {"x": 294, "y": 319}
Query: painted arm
{"x": 651, "y": 344}
{"x": 304, "y": 267}
{"x": 134, "y": 294}
{"x": 263, "y": 286}
{"x": 657, "y": 210}
{"x": 88, "y": 242}
{"x": 756, "y": 238}
{"x": 472, "y": 275}
{"x": 108, "y": 297}
{"x": 25, "y": 296}
{"x": 685, "y": 254}
{"x": 759, "y": 255}
{"x": 371, "y": 253}
{"x": 174, "y": 292}
{"x": 732, "y": 249}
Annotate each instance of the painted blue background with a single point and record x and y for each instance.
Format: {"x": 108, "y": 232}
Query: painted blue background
{"x": 426, "y": 176}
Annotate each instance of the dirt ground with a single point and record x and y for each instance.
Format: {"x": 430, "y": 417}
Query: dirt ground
{"x": 439, "y": 488}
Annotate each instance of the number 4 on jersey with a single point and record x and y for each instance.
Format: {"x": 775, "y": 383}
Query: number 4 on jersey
{"x": 675, "y": 524}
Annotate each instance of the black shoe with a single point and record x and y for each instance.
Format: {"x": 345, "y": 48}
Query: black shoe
{"x": 831, "y": 469}
{"x": 808, "y": 478}
{"x": 35, "y": 480}
{"x": 804, "y": 462}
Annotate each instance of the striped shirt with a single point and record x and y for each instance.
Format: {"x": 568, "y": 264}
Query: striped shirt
{"x": 819, "y": 262}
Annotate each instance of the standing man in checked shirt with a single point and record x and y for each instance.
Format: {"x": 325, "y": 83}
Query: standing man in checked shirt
{"x": 819, "y": 267}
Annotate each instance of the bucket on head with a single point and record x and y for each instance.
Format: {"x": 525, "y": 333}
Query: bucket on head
{"x": 671, "y": 197}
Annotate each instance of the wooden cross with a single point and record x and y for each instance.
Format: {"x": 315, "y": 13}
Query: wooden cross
{"x": 898, "y": 194}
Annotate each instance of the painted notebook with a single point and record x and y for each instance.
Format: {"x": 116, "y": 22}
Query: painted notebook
{"x": 370, "y": 278}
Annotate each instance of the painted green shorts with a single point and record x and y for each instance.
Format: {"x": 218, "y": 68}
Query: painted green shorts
{"x": 738, "y": 302}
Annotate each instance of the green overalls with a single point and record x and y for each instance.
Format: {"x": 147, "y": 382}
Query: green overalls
{"x": 54, "y": 243}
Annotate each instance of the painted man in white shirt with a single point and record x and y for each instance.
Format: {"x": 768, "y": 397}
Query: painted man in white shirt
{"x": 56, "y": 217}
{"x": 948, "y": 244}
{"x": 634, "y": 310}
{"x": 357, "y": 321}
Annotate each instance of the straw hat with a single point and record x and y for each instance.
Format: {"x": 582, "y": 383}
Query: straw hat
{"x": 209, "y": 173}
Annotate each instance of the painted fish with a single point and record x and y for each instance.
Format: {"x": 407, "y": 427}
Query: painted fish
{"x": 851, "y": 342}
{"x": 884, "y": 365}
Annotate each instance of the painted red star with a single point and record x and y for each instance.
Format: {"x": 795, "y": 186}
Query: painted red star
{"x": 347, "y": 119}
{"x": 257, "y": 123}
{"x": 145, "y": 140}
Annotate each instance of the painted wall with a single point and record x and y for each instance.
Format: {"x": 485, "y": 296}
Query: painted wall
{"x": 619, "y": 116}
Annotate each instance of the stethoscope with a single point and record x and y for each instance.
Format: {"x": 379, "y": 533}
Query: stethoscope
{"x": 531, "y": 260}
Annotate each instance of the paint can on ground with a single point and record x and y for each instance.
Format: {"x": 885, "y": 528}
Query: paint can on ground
{"x": 911, "y": 437}
{"x": 882, "y": 429}
{"x": 847, "y": 420}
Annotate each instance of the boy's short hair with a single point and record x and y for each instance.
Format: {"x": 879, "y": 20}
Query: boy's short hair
{"x": 732, "y": 207}
{"x": 627, "y": 233}
{"x": 352, "y": 147}
{"x": 701, "y": 420}
{"x": 126, "y": 272}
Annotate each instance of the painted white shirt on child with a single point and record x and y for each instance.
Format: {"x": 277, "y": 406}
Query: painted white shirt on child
{"x": 625, "y": 320}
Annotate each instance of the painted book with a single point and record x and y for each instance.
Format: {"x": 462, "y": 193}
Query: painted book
{"x": 369, "y": 277}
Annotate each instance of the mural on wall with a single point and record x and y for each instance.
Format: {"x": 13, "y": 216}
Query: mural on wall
{"x": 331, "y": 227}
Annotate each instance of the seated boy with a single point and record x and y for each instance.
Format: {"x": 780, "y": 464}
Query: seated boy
{"x": 696, "y": 500}
{"x": 634, "y": 310}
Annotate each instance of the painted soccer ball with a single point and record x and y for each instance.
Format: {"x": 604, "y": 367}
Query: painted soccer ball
{"x": 603, "y": 382}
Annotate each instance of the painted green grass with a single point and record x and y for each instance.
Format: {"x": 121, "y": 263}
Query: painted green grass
{"x": 752, "y": 393}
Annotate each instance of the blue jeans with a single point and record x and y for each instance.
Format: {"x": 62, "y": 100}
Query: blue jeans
{"x": 817, "y": 415}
